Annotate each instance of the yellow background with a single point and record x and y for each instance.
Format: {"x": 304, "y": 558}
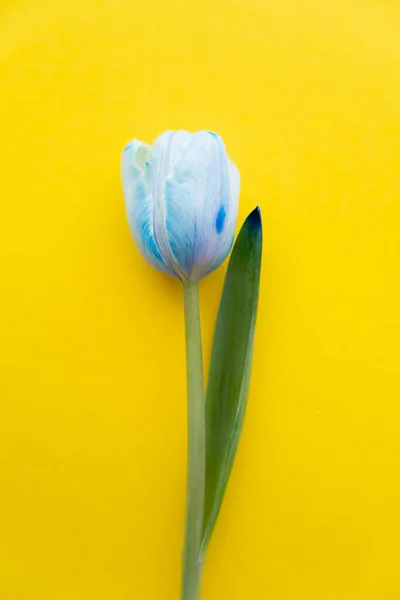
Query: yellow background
{"x": 306, "y": 94}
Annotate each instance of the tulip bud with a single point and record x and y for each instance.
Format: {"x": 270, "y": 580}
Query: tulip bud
{"x": 181, "y": 197}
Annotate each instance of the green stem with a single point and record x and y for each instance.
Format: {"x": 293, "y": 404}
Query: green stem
{"x": 192, "y": 567}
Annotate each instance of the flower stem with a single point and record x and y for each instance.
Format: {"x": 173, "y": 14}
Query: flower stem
{"x": 192, "y": 567}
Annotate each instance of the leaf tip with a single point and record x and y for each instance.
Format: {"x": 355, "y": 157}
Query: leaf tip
{"x": 254, "y": 218}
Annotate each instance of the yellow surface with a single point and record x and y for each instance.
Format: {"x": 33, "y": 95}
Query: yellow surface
{"x": 92, "y": 424}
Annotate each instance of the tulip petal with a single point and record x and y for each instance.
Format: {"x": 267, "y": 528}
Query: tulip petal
{"x": 184, "y": 198}
{"x": 139, "y": 203}
{"x": 219, "y": 214}
{"x": 227, "y": 235}
{"x": 164, "y": 151}
{"x": 196, "y": 205}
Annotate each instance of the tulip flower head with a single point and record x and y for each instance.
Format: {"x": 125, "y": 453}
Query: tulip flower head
{"x": 181, "y": 197}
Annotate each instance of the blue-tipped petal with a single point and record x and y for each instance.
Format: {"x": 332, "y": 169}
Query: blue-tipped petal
{"x": 139, "y": 204}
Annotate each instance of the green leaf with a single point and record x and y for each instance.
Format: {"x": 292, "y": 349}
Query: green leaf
{"x": 230, "y": 367}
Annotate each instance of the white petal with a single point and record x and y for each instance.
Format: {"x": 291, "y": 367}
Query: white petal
{"x": 234, "y": 182}
{"x": 220, "y": 213}
{"x": 139, "y": 203}
{"x": 225, "y": 240}
{"x": 166, "y": 152}
{"x": 184, "y": 200}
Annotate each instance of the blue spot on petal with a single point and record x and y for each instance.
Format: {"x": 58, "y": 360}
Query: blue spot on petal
{"x": 219, "y": 223}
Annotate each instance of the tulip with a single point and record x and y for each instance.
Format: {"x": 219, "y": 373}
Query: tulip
{"x": 181, "y": 197}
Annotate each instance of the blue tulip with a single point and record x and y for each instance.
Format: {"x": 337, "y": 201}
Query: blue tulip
{"x": 181, "y": 197}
